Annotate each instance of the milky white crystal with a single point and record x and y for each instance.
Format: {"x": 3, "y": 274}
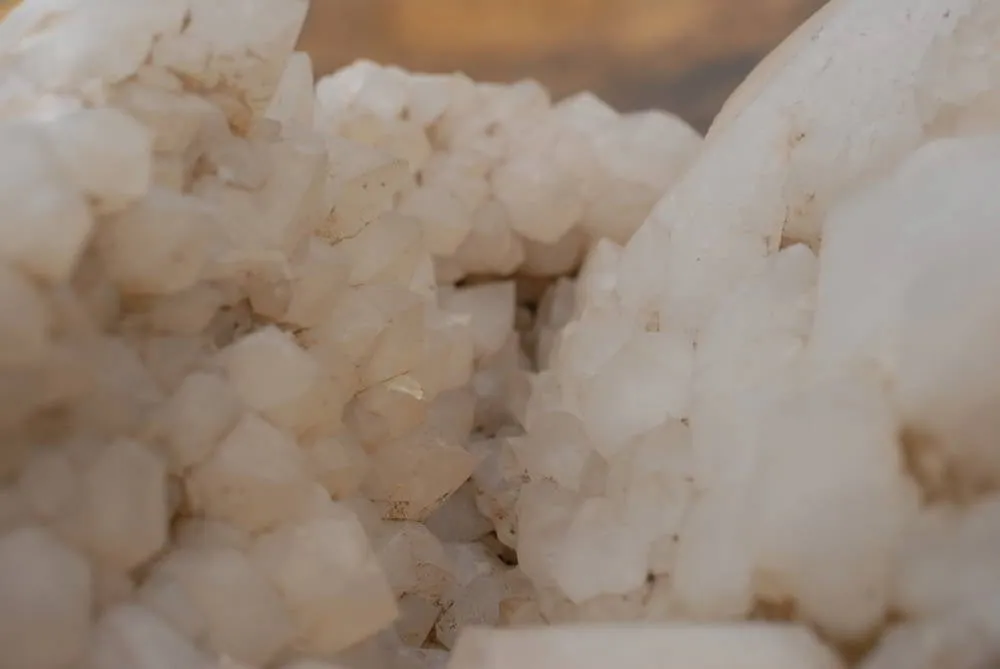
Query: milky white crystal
{"x": 256, "y": 477}
{"x": 323, "y": 374}
{"x": 328, "y": 579}
{"x": 734, "y": 646}
{"x": 46, "y": 591}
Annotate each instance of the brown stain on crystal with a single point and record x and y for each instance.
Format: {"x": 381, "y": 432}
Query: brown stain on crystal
{"x": 685, "y": 56}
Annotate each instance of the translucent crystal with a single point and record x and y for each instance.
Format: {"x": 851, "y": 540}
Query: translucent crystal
{"x": 45, "y": 588}
{"x": 256, "y": 477}
{"x": 158, "y": 245}
{"x": 24, "y": 339}
{"x": 125, "y": 504}
{"x": 242, "y": 614}
{"x": 46, "y": 221}
{"x": 747, "y": 646}
{"x": 269, "y": 369}
{"x": 132, "y": 636}
{"x": 329, "y": 579}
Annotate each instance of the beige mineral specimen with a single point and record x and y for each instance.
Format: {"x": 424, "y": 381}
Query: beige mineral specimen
{"x": 734, "y": 646}
{"x": 315, "y": 375}
{"x": 239, "y": 613}
{"x": 329, "y": 579}
{"x": 196, "y": 417}
{"x": 125, "y": 505}
{"x": 46, "y": 589}
{"x": 47, "y": 222}
{"x": 821, "y": 129}
{"x": 501, "y": 167}
{"x": 767, "y": 325}
{"x": 256, "y": 478}
{"x": 26, "y": 338}
{"x": 132, "y": 636}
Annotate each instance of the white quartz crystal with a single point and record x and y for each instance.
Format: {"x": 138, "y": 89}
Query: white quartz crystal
{"x": 733, "y": 646}
{"x": 302, "y": 374}
{"x": 46, "y": 591}
{"x": 490, "y": 308}
{"x": 47, "y": 222}
{"x": 329, "y": 579}
{"x": 196, "y": 417}
{"x": 132, "y": 636}
{"x": 125, "y": 504}
{"x": 242, "y": 615}
{"x": 874, "y": 317}
{"x": 25, "y": 338}
{"x": 256, "y": 477}
{"x": 269, "y": 370}
{"x": 158, "y": 245}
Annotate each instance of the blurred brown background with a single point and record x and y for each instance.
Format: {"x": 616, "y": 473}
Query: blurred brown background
{"x": 685, "y": 56}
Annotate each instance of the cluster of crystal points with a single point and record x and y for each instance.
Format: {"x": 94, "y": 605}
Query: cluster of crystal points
{"x": 270, "y": 401}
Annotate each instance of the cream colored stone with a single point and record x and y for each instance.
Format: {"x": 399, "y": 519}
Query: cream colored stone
{"x": 123, "y": 173}
{"x": 256, "y": 478}
{"x": 641, "y": 647}
{"x": 797, "y": 123}
{"x": 293, "y": 103}
{"x": 338, "y": 463}
{"x": 362, "y": 183}
{"x": 24, "y": 336}
{"x": 199, "y": 414}
{"x": 329, "y": 579}
{"x": 243, "y": 615}
{"x": 158, "y": 245}
{"x": 125, "y": 504}
{"x": 45, "y": 590}
{"x": 46, "y": 222}
{"x": 132, "y": 636}
{"x": 269, "y": 370}
{"x": 491, "y": 310}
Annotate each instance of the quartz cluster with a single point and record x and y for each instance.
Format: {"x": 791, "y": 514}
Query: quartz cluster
{"x": 318, "y": 375}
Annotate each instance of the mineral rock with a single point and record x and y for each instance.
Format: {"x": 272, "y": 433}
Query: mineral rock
{"x": 125, "y": 504}
{"x": 46, "y": 591}
{"x": 329, "y": 579}
{"x": 316, "y": 375}
{"x": 241, "y": 613}
{"x": 256, "y": 478}
{"x": 748, "y": 646}
{"x": 131, "y": 636}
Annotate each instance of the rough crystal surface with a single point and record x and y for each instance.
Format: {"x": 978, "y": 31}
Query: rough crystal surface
{"x": 347, "y": 374}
